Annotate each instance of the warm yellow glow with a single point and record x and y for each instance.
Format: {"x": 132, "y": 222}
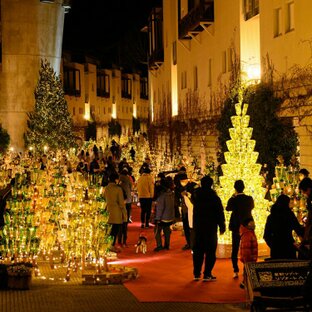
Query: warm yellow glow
{"x": 87, "y": 111}
{"x": 114, "y": 110}
{"x": 45, "y": 148}
{"x": 135, "y": 110}
{"x": 253, "y": 72}
{"x": 174, "y": 90}
{"x": 241, "y": 165}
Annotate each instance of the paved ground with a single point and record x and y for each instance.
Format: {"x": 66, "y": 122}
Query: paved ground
{"x": 53, "y": 294}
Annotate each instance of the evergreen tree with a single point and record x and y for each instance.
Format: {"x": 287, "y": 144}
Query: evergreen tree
{"x": 50, "y": 123}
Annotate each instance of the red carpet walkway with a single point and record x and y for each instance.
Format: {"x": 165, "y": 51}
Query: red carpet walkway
{"x": 167, "y": 276}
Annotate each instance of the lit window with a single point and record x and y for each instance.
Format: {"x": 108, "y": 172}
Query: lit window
{"x": 290, "y": 19}
{"x": 277, "y": 22}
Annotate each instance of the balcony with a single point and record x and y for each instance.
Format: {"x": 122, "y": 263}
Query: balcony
{"x": 155, "y": 32}
{"x": 156, "y": 59}
{"x": 196, "y": 20}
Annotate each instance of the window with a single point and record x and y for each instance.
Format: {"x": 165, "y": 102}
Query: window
{"x": 126, "y": 87}
{"x": 184, "y": 80}
{"x": 290, "y": 18}
{"x": 209, "y": 72}
{"x": 223, "y": 62}
{"x": 71, "y": 81}
{"x": 74, "y": 111}
{"x": 174, "y": 53}
{"x": 104, "y": 110}
{"x": 80, "y": 110}
{"x": 102, "y": 84}
{"x": 277, "y": 22}
{"x": 251, "y": 8}
{"x": 195, "y": 78}
{"x": 143, "y": 89}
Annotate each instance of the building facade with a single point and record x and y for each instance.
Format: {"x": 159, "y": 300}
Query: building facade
{"x": 31, "y": 30}
{"x": 96, "y": 96}
{"x": 196, "y": 47}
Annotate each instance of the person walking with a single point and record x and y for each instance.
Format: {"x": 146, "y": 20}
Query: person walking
{"x": 164, "y": 215}
{"x": 126, "y": 185}
{"x": 279, "y": 227}
{"x": 186, "y": 190}
{"x": 115, "y": 206}
{"x": 145, "y": 188}
{"x": 208, "y": 215}
{"x": 305, "y": 186}
{"x": 241, "y": 206}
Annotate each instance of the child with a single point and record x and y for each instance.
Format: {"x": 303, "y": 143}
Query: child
{"x": 248, "y": 244}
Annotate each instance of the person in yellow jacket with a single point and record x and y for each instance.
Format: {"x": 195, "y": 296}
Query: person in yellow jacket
{"x": 145, "y": 187}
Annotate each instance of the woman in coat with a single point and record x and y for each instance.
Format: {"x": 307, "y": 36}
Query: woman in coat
{"x": 115, "y": 205}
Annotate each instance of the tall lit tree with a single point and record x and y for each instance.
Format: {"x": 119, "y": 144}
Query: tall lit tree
{"x": 50, "y": 123}
{"x": 241, "y": 165}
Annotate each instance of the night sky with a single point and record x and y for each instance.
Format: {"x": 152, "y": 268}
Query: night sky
{"x": 104, "y": 28}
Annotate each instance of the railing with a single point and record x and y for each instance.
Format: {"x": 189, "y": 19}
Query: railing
{"x": 156, "y": 57}
{"x": 202, "y": 13}
{"x": 125, "y": 95}
{"x": 102, "y": 93}
{"x": 72, "y": 92}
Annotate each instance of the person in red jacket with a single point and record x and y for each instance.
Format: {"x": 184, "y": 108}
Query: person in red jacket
{"x": 248, "y": 244}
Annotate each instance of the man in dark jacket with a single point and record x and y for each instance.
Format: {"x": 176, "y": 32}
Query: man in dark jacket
{"x": 164, "y": 214}
{"x": 241, "y": 205}
{"x": 305, "y": 186}
{"x": 208, "y": 215}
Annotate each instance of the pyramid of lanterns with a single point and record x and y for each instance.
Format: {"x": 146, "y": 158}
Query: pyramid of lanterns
{"x": 54, "y": 215}
{"x": 286, "y": 181}
{"x": 241, "y": 164}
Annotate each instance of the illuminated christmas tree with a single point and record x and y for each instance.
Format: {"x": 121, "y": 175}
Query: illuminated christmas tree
{"x": 286, "y": 181}
{"x": 50, "y": 123}
{"x": 241, "y": 165}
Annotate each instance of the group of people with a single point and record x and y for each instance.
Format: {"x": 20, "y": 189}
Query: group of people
{"x": 202, "y": 215}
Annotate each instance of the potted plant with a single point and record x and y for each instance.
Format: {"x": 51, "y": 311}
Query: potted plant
{"x": 19, "y": 275}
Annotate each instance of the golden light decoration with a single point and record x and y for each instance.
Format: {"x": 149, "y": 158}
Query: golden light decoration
{"x": 61, "y": 218}
{"x": 241, "y": 165}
